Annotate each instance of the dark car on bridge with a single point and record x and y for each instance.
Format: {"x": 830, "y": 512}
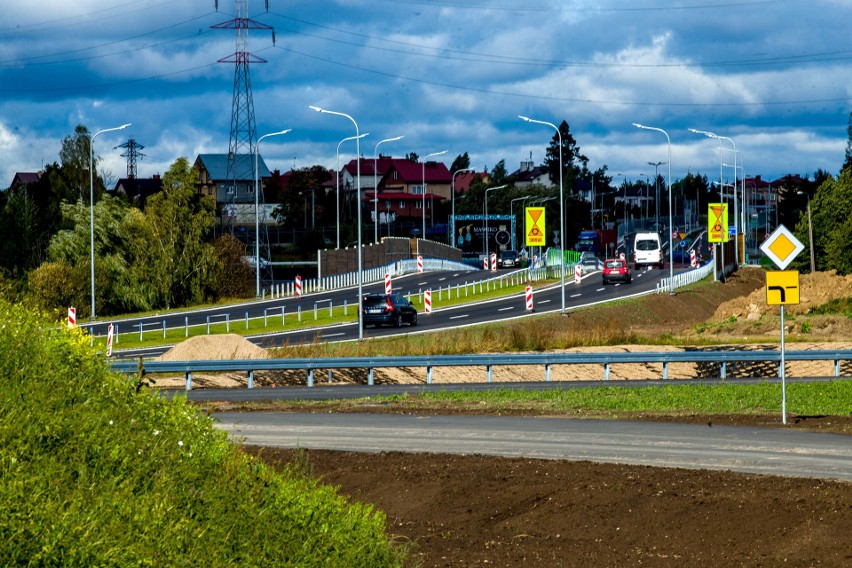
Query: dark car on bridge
{"x": 391, "y": 309}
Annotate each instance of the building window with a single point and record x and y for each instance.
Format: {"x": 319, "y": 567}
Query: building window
{"x": 417, "y": 205}
{"x": 416, "y": 189}
{"x": 230, "y": 189}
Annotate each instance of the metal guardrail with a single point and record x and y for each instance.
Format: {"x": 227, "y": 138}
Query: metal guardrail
{"x": 546, "y": 360}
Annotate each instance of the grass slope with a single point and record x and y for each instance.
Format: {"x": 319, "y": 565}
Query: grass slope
{"x": 94, "y": 471}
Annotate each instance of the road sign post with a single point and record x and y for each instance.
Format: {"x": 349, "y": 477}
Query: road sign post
{"x": 782, "y": 288}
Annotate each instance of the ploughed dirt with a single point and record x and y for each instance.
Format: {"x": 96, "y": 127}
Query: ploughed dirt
{"x": 487, "y": 511}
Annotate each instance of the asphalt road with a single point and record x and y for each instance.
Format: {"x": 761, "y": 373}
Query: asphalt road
{"x": 589, "y": 291}
{"x": 771, "y": 451}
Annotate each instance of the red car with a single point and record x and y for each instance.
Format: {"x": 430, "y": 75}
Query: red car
{"x": 616, "y": 269}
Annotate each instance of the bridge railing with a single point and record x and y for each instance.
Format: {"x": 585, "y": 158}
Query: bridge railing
{"x": 841, "y": 359}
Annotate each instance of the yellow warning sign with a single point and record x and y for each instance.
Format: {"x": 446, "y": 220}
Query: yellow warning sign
{"x": 782, "y": 287}
{"x": 534, "y": 226}
{"x": 717, "y": 223}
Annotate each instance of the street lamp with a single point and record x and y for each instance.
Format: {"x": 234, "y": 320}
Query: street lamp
{"x": 358, "y": 187}
{"x": 423, "y": 236}
{"x": 257, "y": 213}
{"x": 486, "y": 216}
{"x": 338, "y": 178}
{"x": 734, "y": 192}
{"x": 453, "y": 202}
{"x": 625, "y": 209}
{"x": 671, "y": 222}
{"x": 810, "y": 231}
{"x": 92, "y": 203}
{"x": 376, "y": 185}
{"x": 561, "y": 206}
{"x": 657, "y": 191}
{"x": 512, "y": 214}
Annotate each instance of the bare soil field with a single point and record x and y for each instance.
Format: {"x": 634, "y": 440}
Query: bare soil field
{"x": 486, "y": 511}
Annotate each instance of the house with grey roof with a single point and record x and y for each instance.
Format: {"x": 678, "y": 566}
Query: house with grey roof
{"x": 234, "y": 197}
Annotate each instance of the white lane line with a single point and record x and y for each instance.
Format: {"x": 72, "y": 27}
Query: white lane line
{"x": 441, "y": 279}
{"x": 504, "y": 309}
{"x": 600, "y": 289}
{"x": 422, "y": 283}
{"x": 575, "y": 295}
{"x": 332, "y": 335}
{"x": 458, "y": 317}
{"x": 544, "y": 301}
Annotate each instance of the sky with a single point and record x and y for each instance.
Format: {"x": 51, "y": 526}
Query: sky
{"x": 771, "y": 75}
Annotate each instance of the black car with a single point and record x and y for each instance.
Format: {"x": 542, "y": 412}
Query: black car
{"x": 508, "y": 259}
{"x": 390, "y": 309}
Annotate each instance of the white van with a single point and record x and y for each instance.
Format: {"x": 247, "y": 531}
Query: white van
{"x": 647, "y": 250}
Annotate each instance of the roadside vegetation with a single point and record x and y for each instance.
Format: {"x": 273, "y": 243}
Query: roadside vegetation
{"x": 96, "y": 471}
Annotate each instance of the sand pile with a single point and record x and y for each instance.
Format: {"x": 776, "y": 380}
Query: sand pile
{"x": 227, "y": 346}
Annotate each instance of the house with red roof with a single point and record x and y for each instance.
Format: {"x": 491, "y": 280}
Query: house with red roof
{"x": 404, "y": 187}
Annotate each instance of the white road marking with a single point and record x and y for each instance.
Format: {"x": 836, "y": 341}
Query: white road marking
{"x": 600, "y": 289}
{"x": 575, "y": 295}
{"x": 504, "y": 309}
{"x": 332, "y": 335}
{"x": 458, "y": 317}
{"x": 441, "y": 279}
{"x": 422, "y": 283}
{"x": 544, "y": 301}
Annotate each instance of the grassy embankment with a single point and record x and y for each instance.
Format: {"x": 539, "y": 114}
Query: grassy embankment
{"x": 95, "y": 471}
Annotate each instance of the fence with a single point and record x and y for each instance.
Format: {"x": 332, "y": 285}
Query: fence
{"x": 721, "y": 359}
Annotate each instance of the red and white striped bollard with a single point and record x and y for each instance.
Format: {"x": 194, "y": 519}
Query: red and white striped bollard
{"x": 298, "y": 286}
{"x": 427, "y": 301}
{"x": 387, "y": 283}
{"x": 529, "y": 293}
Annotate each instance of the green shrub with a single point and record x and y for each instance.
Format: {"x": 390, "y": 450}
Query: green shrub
{"x": 94, "y": 473}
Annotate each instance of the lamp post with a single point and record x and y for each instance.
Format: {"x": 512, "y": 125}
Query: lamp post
{"x": 810, "y": 231}
{"x": 337, "y": 196}
{"x": 625, "y": 209}
{"x": 486, "y": 216}
{"x": 358, "y": 188}
{"x": 734, "y": 191}
{"x": 453, "y": 202}
{"x": 645, "y": 193}
{"x": 657, "y": 191}
{"x": 423, "y": 236}
{"x": 512, "y": 214}
{"x": 671, "y": 222}
{"x": 376, "y": 185}
{"x": 257, "y": 211}
{"x": 92, "y": 204}
{"x": 561, "y": 206}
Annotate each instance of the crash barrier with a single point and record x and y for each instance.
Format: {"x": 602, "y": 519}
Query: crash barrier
{"x": 370, "y": 276}
{"x": 719, "y": 360}
{"x": 684, "y": 278}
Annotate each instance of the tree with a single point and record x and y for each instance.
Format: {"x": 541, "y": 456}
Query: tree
{"x": 462, "y": 162}
{"x": 412, "y": 157}
{"x": 831, "y": 211}
{"x": 116, "y": 289}
{"x": 499, "y": 174}
{"x": 177, "y": 261}
{"x": 848, "y": 161}
{"x": 295, "y": 199}
{"x": 573, "y": 162}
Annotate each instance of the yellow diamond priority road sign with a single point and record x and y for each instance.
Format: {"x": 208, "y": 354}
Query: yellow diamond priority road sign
{"x": 782, "y": 247}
